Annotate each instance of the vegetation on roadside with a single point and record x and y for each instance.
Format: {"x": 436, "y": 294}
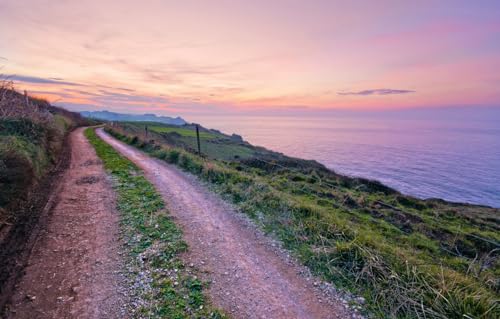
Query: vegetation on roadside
{"x": 165, "y": 287}
{"x": 407, "y": 257}
{"x": 31, "y": 139}
{"x": 214, "y": 144}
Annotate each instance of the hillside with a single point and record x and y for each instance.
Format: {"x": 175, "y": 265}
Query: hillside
{"x": 111, "y": 116}
{"x": 407, "y": 257}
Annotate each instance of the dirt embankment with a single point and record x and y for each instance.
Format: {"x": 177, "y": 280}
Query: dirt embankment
{"x": 17, "y": 239}
{"x": 74, "y": 267}
{"x": 249, "y": 279}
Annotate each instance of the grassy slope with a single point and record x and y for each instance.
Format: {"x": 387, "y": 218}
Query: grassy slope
{"x": 185, "y": 132}
{"x": 170, "y": 290}
{"x": 407, "y": 257}
{"x": 31, "y": 139}
{"x": 213, "y": 144}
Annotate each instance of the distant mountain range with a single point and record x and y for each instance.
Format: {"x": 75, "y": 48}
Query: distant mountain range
{"x": 121, "y": 117}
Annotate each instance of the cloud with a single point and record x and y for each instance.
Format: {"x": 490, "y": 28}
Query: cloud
{"x": 123, "y": 89}
{"x": 37, "y": 80}
{"x": 113, "y": 88}
{"x": 2, "y": 58}
{"x": 108, "y": 97}
{"x": 178, "y": 71}
{"x": 377, "y": 92}
{"x": 80, "y": 92}
{"x": 59, "y": 95}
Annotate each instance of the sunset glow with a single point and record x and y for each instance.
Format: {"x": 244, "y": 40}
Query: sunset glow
{"x": 184, "y": 57}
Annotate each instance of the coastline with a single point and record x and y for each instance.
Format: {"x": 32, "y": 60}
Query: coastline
{"x": 424, "y": 158}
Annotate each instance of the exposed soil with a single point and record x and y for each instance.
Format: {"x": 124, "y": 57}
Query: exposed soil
{"x": 249, "y": 277}
{"x": 16, "y": 240}
{"x": 74, "y": 267}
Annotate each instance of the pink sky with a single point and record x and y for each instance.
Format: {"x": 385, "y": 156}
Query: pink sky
{"x": 185, "y": 57}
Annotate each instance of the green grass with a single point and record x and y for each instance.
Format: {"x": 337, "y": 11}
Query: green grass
{"x": 25, "y": 150}
{"x": 213, "y": 144}
{"x": 28, "y": 150}
{"x": 408, "y": 257}
{"x": 186, "y": 132}
{"x": 36, "y": 143}
{"x": 154, "y": 243}
{"x": 224, "y": 151}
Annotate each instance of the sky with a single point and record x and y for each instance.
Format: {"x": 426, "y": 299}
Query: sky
{"x": 217, "y": 57}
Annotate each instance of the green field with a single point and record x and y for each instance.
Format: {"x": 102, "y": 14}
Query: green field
{"x": 184, "y": 132}
{"x": 213, "y": 144}
{"x": 407, "y": 257}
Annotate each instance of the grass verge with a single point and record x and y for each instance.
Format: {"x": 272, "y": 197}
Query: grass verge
{"x": 163, "y": 286}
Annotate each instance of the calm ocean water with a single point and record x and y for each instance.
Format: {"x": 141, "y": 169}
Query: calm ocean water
{"x": 456, "y": 158}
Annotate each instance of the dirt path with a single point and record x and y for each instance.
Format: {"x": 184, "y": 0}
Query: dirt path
{"x": 249, "y": 279}
{"x": 73, "y": 270}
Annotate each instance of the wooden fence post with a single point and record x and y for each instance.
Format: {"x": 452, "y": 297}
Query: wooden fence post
{"x": 198, "y": 139}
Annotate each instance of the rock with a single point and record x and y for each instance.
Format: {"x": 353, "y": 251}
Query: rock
{"x": 236, "y": 138}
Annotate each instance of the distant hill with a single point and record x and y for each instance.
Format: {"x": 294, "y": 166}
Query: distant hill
{"x": 121, "y": 117}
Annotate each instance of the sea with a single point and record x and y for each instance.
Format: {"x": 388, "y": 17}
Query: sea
{"x": 452, "y": 154}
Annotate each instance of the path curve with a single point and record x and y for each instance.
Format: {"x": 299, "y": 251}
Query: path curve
{"x": 74, "y": 268}
{"x": 249, "y": 279}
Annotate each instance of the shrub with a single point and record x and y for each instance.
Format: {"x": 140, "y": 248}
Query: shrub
{"x": 161, "y": 154}
{"x": 189, "y": 163}
{"x": 173, "y": 156}
{"x": 16, "y": 176}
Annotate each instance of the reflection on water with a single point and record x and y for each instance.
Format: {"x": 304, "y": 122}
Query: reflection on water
{"x": 457, "y": 160}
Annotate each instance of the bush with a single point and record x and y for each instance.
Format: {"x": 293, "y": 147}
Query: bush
{"x": 173, "y": 156}
{"x": 189, "y": 163}
{"x": 161, "y": 154}
{"x": 214, "y": 174}
{"x": 16, "y": 176}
